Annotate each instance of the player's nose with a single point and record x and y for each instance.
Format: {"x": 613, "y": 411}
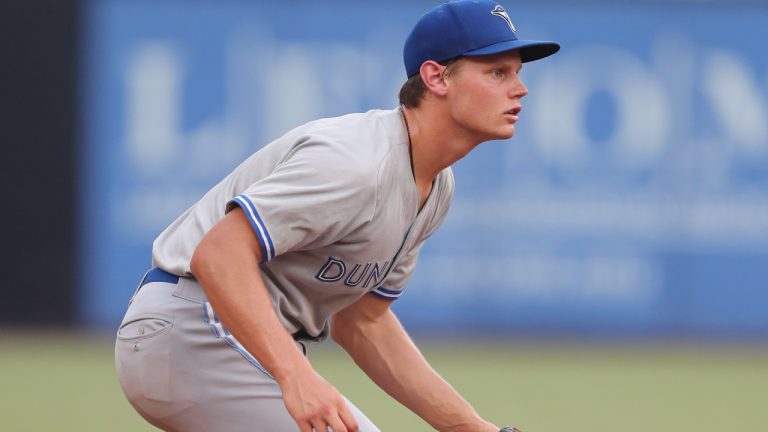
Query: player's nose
{"x": 518, "y": 89}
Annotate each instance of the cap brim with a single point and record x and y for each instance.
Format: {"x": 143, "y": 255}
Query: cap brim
{"x": 530, "y": 50}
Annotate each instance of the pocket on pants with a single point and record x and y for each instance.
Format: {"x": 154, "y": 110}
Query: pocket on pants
{"x": 143, "y": 361}
{"x": 144, "y": 326}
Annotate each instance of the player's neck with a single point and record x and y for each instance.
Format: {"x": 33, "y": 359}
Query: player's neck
{"x": 437, "y": 143}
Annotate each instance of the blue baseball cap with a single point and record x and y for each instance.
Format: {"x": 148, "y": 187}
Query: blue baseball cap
{"x": 467, "y": 28}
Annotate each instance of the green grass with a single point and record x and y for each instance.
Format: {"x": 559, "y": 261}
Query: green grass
{"x": 67, "y": 383}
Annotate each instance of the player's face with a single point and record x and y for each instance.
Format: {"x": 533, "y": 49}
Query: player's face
{"x": 485, "y": 94}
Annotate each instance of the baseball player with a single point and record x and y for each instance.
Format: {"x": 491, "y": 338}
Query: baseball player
{"x": 314, "y": 235}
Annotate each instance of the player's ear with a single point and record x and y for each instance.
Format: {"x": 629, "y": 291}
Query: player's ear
{"x": 432, "y": 73}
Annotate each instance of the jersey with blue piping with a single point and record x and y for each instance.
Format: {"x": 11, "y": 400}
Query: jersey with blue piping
{"x": 335, "y": 208}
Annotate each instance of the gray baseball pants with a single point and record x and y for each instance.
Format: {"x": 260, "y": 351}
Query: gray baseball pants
{"x": 183, "y": 374}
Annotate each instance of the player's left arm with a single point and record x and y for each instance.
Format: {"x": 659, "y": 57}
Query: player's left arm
{"x": 373, "y": 336}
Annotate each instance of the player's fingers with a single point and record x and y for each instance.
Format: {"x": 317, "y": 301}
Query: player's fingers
{"x": 349, "y": 420}
{"x": 319, "y": 425}
{"x": 305, "y": 427}
{"x": 337, "y": 425}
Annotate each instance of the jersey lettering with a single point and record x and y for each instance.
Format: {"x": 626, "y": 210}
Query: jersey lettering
{"x": 335, "y": 270}
{"x": 353, "y": 283}
{"x": 375, "y": 274}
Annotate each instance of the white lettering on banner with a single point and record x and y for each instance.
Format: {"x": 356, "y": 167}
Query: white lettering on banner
{"x": 292, "y": 93}
{"x": 561, "y": 96}
{"x": 300, "y": 84}
{"x": 281, "y": 81}
{"x": 272, "y": 86}
{"x": 736, "y": 98}
{"x": 648, "y": 122}
{"x": 154, "y": 137}
{"x": 153, "y": 105}
{"x": 690, "y": 196}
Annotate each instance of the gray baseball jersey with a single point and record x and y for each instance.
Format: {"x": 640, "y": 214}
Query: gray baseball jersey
{"x": 336, "y": 210}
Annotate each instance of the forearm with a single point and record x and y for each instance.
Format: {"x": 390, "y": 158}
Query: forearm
{"x": 225, "y": 264}
{"x": 385, "y": 352}
{"x": 236, "y": 290}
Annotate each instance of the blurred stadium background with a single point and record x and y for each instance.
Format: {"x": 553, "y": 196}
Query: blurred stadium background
{"x": 607, "y": 269}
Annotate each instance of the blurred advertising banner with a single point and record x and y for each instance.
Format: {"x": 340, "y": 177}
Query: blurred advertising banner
{"x": 632, "y": 201}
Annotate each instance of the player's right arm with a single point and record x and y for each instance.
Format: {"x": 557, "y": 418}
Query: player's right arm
{"x": 373, "y": 336}
{"x": 225, "y": 263}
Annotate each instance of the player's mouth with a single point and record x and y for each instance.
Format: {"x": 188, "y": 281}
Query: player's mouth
{"x": 513, "y": 114}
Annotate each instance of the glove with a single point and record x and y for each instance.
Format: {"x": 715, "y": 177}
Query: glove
{"x": 510, "y": 429}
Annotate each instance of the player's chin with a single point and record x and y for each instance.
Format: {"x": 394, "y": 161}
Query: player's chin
{"x": 508, "y": 131}
{"x": 498, "y": 132}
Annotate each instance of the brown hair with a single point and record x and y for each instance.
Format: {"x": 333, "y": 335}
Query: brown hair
{"x": 412, "y": 92}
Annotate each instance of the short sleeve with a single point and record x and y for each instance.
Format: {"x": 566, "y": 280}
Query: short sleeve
{"x": 314, "y": 197}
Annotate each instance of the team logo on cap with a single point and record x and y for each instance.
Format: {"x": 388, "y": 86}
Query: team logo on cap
{"x": 501, "y": 13}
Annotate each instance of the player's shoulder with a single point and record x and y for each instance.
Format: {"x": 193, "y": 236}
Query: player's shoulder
{"x": 350, "y": 148}
{"x": 358, "y": 140}
{"x": 360, "y": 130}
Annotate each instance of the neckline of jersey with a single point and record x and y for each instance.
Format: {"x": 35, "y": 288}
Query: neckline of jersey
{"x": 410, "y": 141}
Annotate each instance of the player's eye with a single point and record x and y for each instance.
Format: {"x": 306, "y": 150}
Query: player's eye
{"x": 497, "y": 73}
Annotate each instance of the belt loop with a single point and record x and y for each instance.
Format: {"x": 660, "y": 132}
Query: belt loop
{"x": 138, "y": 287}
{"x": 190, "y": 289}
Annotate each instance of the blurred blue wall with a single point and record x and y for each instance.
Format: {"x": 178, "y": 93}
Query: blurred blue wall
{"x": 633, "y": 201}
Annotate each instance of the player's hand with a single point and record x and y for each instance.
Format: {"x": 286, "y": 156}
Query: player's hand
{"x": 315, "y": 404}
{"x": 478, "y": 425}
{"x": 490, "y": 427}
